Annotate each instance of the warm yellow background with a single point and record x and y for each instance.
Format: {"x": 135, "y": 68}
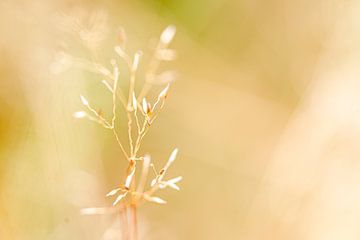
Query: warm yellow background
{"x": 265, "y": 113}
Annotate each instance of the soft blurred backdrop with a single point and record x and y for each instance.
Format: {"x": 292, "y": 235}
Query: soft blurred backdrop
{"x": 265, "y": 113}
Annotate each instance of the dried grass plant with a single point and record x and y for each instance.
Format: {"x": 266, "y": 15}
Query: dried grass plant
{"x": 134, "y": 189}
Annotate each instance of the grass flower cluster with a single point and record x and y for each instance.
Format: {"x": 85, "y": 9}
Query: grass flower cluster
{"x": 134, "y": 186}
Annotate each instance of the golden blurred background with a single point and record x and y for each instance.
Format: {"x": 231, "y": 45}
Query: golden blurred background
{"x": 265, "y": 113}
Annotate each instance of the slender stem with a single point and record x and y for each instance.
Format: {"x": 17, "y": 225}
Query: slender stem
{"x": 130, "y": 134}
{"x": 153, "y": 67}
{"x": 131, "y": 87}
{"x": 144, "y": 173}
{"x": 137, "y": 148}
{"x": 137, "y": 121}
{"x": 125, "y": 224}
{"x": 134, "y": 228}
{"x": 140, "y": 136}
{"x": 114, "y": 98}
{"x": 121, "y": 96}
{"x": 120, "y": 144}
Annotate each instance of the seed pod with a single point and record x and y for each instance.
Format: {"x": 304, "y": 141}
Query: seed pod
{"x": 164, "y": 92}
{"x": 79, "y": 114}
{"x": 84, "y": 101}
{"x": 146, "y": 107}
{"x": 168, "y": 34}
{"x": 134, "y": 102}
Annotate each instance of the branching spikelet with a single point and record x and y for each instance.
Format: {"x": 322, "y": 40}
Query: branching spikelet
{"x": 139, "y": 111}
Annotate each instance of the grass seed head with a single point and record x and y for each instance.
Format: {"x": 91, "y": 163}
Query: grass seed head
{"x": 132, "y": 191}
